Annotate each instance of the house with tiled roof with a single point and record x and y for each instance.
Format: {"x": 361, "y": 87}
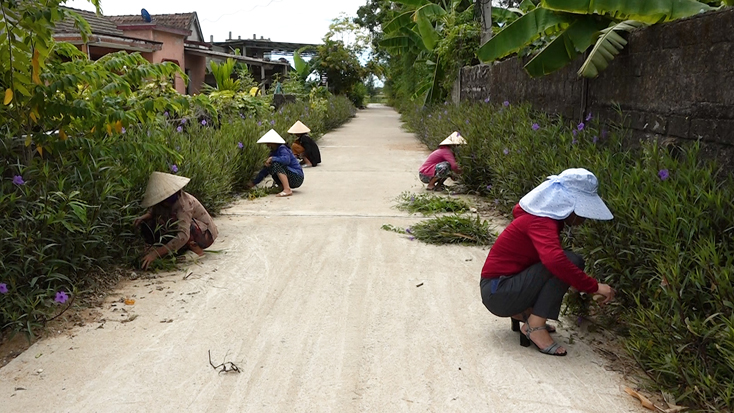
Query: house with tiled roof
{"x": 175, "y": 38}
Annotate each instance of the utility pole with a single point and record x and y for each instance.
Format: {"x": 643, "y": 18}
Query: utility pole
{"x": 485, "y": 8}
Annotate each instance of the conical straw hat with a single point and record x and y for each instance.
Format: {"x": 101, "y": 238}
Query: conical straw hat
{"x": 453, "y": 139}
{"x": 162, "y": 185}
{"x": 299, "y": 127}
{"x": 271, "y": 137}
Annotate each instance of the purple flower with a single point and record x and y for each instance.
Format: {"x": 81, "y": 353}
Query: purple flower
{"x": 663, "y": 174}
{"x": 272, "y": 122}
{"x": 203, "y": 122}
{"x": 429, "y": 116}
{"x": 165, "y": 113}
{"x": 439, "y": 117}
{"x": 242, "y": 116}
{"x": 259, "y": 123}
{"x": 445, "y": 102}
{"x": 178, "y": 148}
{"x": 467, "y": 121}
{"x": 183, "y": 121}
{"x": 506, "y": 151}
{"x": 174, "y": 168}
{"x": 535, "y": 126}
{"x": 506, "y": 103}
{"x": 574, "y": 141}
{"x": 574, "y": 132}
{"x": 489, "y": 187}
{"x": 580, "y": 126}
{"x": 18, "y": 180}
{"x": 588, "y": 117}
{"x": 179, "y": 129}
{"x": 3, "y": 288}
{"x": 486, "y": 100}
{"x": 604, "y": 133}
{"x": 240, "y": 145}
{"x": 61, "y": 297}
{"x": 409, "y": 230}
{"x": 595, "y": 139}
{"x": 496, "y": 201}
{"x": 411, "y": 238}
{"x": 124, "y": 130}
{"x": 445, "y": 112}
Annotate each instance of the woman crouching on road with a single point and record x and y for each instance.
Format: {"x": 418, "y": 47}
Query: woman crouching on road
{"x": 527, "y": 272}
{"x": 304, "y": 147}
{"x": 441, "y": 163}
{"x": 282, "y": 165}
{"x": 175, "y": 219}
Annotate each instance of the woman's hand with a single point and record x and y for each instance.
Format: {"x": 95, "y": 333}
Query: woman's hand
{"x": 269, "y": 161}
{"x": 606, "y": 291}
{"x": 249, "y": 185}
{"x": 149, "y": 258}
{"x": 139, "y": 220}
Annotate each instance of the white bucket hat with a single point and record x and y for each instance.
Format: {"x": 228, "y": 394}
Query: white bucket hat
{"x": 574, "y": 190}
{"x": 453, "y": 139}
{"x": 271, "y": 137}
{"x": 299, "y": 128}
{"x": 162, "y": 185}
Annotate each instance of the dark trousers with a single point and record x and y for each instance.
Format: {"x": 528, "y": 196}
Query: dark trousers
{"x": 294, "y": 180}
{"x": 533, "y": 287}
{"x": 161, "y": 234}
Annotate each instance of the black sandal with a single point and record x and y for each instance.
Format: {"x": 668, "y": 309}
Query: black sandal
{"x": 550, "y": 350}
{"x": 516, "y": 326}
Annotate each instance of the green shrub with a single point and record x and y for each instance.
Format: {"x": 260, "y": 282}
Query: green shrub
{"x": 669, "y": 251}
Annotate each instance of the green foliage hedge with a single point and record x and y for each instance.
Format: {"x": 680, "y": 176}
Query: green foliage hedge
{"x": 669, "y": 251}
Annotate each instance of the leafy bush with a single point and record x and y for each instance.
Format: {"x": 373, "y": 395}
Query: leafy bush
{"x": 430, "y": 204}
{"x": 669, "y": 251}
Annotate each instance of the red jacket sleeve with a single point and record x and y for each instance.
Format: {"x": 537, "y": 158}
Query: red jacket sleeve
{"x": 545, "y": 238}
{"x": 449, "y": 156}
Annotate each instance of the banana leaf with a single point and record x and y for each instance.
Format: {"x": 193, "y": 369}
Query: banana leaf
{"x": 430, "y": 11}
{"x": 647, "y": 11}
{"x": 608, "y": 45}
{"x": 429, "y": 35}
{"x": 401, "y": 20}
{"x": 522, "y": 32}
{"x": 565, "y": 48}
{"x": 415, "y": 3}
{"x": 500, "y": 15}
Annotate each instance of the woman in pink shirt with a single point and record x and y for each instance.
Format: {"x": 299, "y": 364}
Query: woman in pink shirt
{"x": 440, "y": 163}
{"x": 527, "y": 272}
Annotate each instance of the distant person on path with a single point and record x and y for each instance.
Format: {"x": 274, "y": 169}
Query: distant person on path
{"x": 304, "y": 147}
{"x": 175, "y": 219}
{"x": 282, "y": 165}
{"x": 441, "y": 163}
{"x": 527, "y": 272}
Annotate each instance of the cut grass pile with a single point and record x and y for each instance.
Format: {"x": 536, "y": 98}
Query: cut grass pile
{"x": 430, "y": 204}
{"x": 450, "y": 229}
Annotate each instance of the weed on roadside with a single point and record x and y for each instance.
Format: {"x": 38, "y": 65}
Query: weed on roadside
{"x": 430, "y": 204}
{"x": 453, "y": 229}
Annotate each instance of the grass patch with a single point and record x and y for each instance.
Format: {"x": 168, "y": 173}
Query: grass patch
{"x": 453, "y": 229}
{"x": 430, "y": 204}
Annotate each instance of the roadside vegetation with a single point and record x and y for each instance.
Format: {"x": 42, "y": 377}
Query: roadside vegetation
{"x": 79, "y": 140}
{"x": 430, "y": 204}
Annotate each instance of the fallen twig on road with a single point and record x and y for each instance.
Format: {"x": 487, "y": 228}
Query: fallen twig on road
{"x": 226, "y": 367}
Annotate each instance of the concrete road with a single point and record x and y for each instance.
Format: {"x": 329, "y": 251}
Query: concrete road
{"x": 321, "y": 310}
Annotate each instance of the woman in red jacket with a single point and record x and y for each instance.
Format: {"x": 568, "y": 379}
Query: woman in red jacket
{"x": 527, "y": 272}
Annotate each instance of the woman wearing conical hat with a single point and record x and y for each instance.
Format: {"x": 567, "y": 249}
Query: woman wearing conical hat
{"x": 304, "y": 147}
{"x": 174, "y": 219}
{"x": 441, "y": 163}
{"x": 282, "y": 165}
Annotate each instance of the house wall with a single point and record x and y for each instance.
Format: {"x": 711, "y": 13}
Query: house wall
{"x": 196, "y": 68}
{"x": 672, "y": 80}
{"x": 172, "y": 50}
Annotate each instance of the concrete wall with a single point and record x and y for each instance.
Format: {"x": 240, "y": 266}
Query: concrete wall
{"x": 172, "y": 50}
{"x": 196, "y": 69}
{"x": 673, "y": 80}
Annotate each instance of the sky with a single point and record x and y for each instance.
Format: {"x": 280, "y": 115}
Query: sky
{"x": 280, "y": 20}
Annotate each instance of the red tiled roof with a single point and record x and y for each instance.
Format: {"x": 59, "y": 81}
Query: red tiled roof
{"x": 180, "y": 21}
{"x": 98, "y": 24}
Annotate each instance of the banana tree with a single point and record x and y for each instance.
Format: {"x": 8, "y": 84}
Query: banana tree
{"x": 570, "y": 27}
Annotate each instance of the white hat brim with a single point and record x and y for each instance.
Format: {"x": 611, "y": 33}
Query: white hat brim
{"x": 591, "y": 207}
{"x": 271, "y": 137}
